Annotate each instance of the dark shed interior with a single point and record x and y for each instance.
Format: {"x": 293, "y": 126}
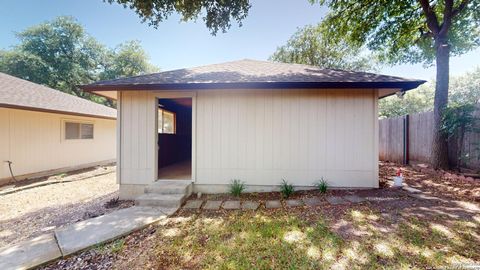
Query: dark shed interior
{"x": 175, "y": 146}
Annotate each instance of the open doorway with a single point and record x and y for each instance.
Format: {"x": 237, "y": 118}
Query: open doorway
{"x": 174, "y": 138}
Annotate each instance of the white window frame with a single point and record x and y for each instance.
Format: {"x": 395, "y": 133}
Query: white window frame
{"x": 80, "y": 122}
{"x": 160, "y": 129}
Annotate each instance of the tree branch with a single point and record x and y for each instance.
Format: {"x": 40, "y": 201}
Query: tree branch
{"x": 432, "y": 20}
{"x": 447, "y": 18}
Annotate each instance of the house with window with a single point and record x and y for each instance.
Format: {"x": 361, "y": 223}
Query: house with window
{"x": 45, "y": 131}
{"x": 256, "y": 121}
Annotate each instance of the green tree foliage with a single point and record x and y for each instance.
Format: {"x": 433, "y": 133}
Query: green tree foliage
{"x": 400, "y": 30}
{"x": 58, "y": 54}
{"x": 61, "y": 55}
{"x": 217, "y": 14}
{"x": 309, "y": 46}
{"x": 128, "y": 59}
{"x": 464, "y": 89}
{"x": 459, "y": 119}
{"x": 415, "y": 101}
{"x": 411, "y": 31}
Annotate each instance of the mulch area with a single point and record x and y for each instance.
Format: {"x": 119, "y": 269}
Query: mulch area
{"x": 445, "y": 184}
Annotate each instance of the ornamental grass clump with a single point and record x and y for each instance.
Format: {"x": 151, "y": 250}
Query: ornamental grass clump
{"x": 237, "y": 187}
{"x": 322, "y": 185}
{"x": 286, "y": 189}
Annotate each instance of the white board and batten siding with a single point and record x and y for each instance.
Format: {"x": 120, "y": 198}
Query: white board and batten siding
{"x": 35, "y": 142}
{"x": 137, "y": 137}
{"x": 262, "y": 136}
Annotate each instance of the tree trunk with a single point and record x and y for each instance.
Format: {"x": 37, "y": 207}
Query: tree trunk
{"x": 439, "y": 158}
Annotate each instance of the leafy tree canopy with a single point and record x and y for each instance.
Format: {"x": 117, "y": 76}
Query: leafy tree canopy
{"x": 398, "y": 29}
{"x": 309, "y": 46}
{"x": 58, "y": 54}
{"x": 127, "y": 59}
{"x": 411, "y": 31}
{"x": 217, "y": 14}
{"x": 61, "y": 55}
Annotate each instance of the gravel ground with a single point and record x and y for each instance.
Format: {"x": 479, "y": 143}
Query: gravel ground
{"x": 34, "y": 211}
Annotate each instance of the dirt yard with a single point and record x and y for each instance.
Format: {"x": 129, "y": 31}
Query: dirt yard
{"x": 37, "y": 206}
{"x": 391, "y": 230}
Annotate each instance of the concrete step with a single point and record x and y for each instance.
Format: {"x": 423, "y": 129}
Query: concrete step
{"x": 169, "y": 187}
{"x": 161, "y": 200}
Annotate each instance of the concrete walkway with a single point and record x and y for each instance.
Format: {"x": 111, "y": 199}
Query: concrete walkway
{"x": 81, "y": 235}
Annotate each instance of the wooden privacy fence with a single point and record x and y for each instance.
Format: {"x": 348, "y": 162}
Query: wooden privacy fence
{"x": 409, "y": 138}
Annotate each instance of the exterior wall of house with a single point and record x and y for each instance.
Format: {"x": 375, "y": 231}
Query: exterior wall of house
{"x": 137, "y": 138}
{"x": 260, "y": 137}
{"x": 35, "y": 142}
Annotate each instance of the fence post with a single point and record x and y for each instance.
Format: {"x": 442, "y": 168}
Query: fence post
{"x": 406, "y": 138}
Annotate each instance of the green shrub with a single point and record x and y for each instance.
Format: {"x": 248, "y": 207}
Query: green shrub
{"x": 286, "y": 189}
{"x": 322, "y": 185}
{"x": 237, "y": 187}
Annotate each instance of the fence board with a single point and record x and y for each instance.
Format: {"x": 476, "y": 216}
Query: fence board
{"x": 391, "y": 139}
{"x": 420, "y": 140}
{"x": 421, "y": 135}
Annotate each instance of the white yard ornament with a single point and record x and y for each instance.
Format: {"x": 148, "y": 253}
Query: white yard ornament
{"x": 398, "y": 180}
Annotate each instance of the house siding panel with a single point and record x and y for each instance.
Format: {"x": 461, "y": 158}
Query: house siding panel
{"x": 138, "y": 137}
{"x": 262, "y": 136}
{"x": 34, "y": 142}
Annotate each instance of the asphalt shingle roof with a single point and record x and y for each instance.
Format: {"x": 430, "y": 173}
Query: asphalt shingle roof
{"x": 257, "y": 74}
{"x": 19, "y": 93}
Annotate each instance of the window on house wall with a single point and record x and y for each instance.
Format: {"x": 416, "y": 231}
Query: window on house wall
{"x": 166, "y": 122}
{"x": 75, "y": 131}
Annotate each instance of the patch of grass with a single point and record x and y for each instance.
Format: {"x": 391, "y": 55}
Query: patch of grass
{"x": 361, "y": 238}
{"x": 112, "y": 247}
{"x": 236, "y": 187}
{"x": 117, "y": 246}
{"x": 413, "y": 232}
{"x": 322, "y": 185}
{"x": 249, "y": 241}
{"x": 286, "y": 189}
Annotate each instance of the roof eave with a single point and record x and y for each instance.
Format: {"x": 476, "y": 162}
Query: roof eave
{"x": 404, "y": 85}
{"x": 36, "y": 109}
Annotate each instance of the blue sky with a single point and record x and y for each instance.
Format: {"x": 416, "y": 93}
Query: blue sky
{"x": 186, "y": 44}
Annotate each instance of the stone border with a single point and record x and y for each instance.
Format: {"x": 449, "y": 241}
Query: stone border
{"x": 215, "y": 205}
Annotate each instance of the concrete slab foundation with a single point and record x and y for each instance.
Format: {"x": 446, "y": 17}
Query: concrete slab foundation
{"x": 212, "y": 205}
{"x": 231, "y": 205}
{"x": 273, "y": 204}
{"x": 193, "y": 204}
{"x": 249, "y": 205}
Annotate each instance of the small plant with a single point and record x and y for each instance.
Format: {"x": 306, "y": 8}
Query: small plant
{"x": 286, "y": 189}
{"x": 236, "y": 187}
{"x": 117, "y": 246}
{"x": 322, "y": 185}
